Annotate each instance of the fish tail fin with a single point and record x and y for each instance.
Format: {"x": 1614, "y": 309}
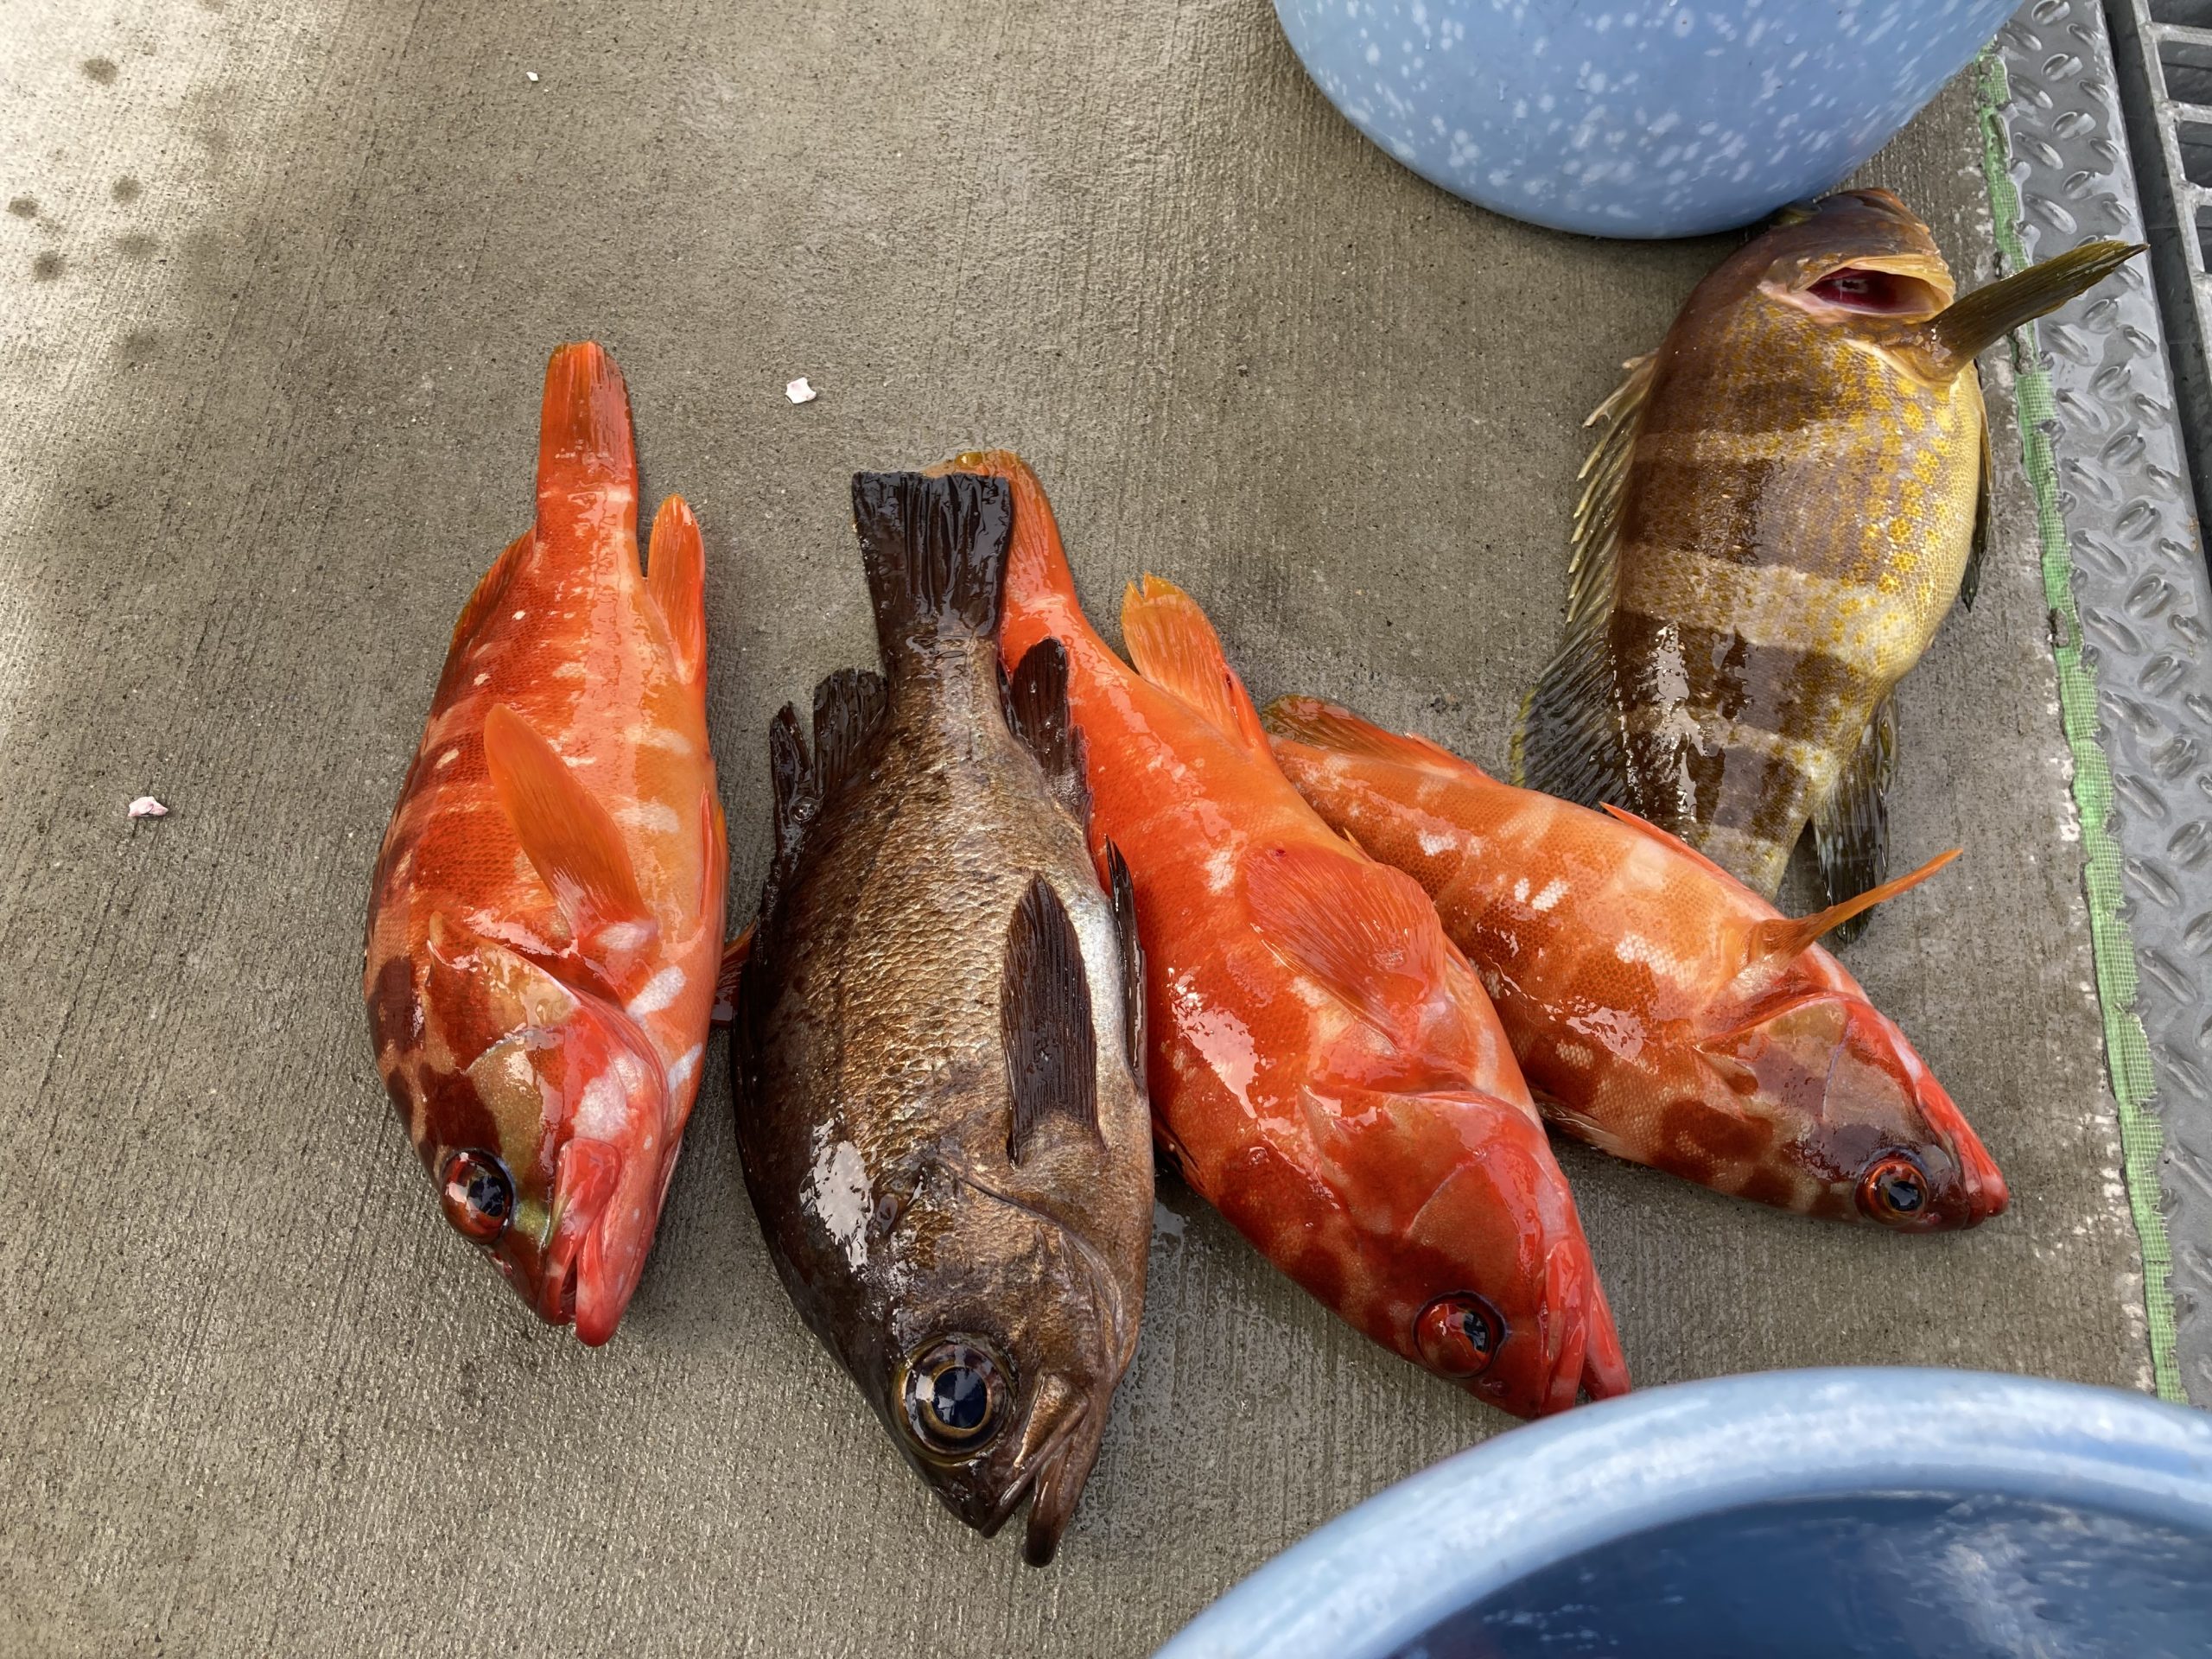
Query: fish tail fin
{"x": 586, "y": 456}
{"x": 1968, "y": 326}
{"x": 935, "y": 550}
{"x": 1320, "y": 724}
{"x": 1174, "y": 647}
{"x": 1039, "y": 585}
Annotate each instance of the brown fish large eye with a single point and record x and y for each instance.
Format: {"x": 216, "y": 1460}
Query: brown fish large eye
{"x": 1458, "y": 1335}
{"x": 479, "y": 1196}
{"x": 1893, "y": 1190}
{"x": 955, "y": 1396}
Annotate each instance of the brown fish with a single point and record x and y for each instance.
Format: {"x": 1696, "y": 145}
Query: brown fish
{"x": 940, "y": 1105}
{"x": 1789, "y": 494}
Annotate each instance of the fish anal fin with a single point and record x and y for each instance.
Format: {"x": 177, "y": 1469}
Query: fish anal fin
{"x": 489, "y": 590}
{"x": 1036, "y": 701}
{"x": 1851, "y": 825}
{"x": 1785, "y": 938}
{"x": 676, "y": 582}
{"x": 569, "y": 838}
{"x": 1123, "y": 891}
{"x": 1323, "y": 725}
{"x": 1051, "y": 1052}
{"x": 1366, "y": 931}
{"x": 730, "y": 973}
{"x": 1173, "y": 645}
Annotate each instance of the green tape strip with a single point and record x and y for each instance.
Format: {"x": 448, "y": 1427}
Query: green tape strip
{"x": 2128, "y": 1051}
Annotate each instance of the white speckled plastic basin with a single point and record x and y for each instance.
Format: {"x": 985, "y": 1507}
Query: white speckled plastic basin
{"x": 1634, "y": 117}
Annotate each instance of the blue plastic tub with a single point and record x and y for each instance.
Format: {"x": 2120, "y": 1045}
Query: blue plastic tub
{"x": 1634, "y": 117}
{"x": 1796, "y": 1514}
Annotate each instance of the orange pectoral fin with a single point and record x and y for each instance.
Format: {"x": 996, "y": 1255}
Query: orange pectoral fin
{"x": 1173, "y": 645}
{"x": 1366, "y": 931}
{"x": 569, "y": 838}
{"x": 676, "y": 582}
{"x": 1784, "y": 938}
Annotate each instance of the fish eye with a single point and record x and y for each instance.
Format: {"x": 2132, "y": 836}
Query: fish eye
{"x": 1894, "y": 1189}
{"x": 955, "y": 1396}
{"x": 478, "y": 1194}
{"x": 1458, "y": 1335}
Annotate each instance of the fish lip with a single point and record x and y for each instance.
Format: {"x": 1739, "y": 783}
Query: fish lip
{"x": 562, "y": 1263}
{"x": 1047, "y": 1456}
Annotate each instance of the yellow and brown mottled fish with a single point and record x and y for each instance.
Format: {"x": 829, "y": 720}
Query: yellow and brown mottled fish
{"x": 1788, "y": 495}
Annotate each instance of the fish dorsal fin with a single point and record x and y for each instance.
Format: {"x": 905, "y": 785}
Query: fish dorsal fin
{"x": 1123, "y": 892}
{"x": 935, "y": 552}
{"x": 731, "y": 974}
{"x": 1366, "y": 931}
{"x": 1569, "y": 740}
{"x": 1323, "y": 725}
{"x": 489, "y": 589}
{"x": 676, "y": 582}
{"x": 1036, "y": 701}
{"x": 1785, "y": 938}
{"x": 1051, "y": 1052}
{"x": 1851, "y": 826}
{"x": 848, "y": 705}
{"x": 1173, "y": 645}
{"x": 1671, "y": 842}
{"x": 570, "y": 839}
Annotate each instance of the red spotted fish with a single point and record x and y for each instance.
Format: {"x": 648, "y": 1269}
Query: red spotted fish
{"x": 545, "y": 923}
{"x": 1788, "y": 495}
{"x": 1324, "y": 1067}
{"x": 1662, "y": 1010}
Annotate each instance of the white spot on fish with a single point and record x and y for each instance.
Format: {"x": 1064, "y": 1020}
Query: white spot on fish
{"x": 1634, "y": 947}
{"x": 520, "y": 614}
{"x": 1554, "y": 890}
{"x": 450, "y": 757}
{"x": 624, "y": 936}
{"x": 679, "y": 1074}
{"x": 837, "y": 1194}
{"x": 1432, "y": 841}
{"x": 650, "y": 815}
{"x": 1222, "y": 1039}
{"x": 1221, "y": 869}
{"x": 658, "y": 992}
{"x": 599, "y": 1114}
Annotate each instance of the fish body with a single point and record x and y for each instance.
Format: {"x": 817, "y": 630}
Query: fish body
{"x": 1324, "y": 1067}
{"x": 1787, "y": 496}
{"x": 940, "y": 1111}
{"x": 545, "y": 919}
{"x": 1664, "y": 1011}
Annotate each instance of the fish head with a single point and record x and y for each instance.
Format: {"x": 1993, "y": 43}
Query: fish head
{"x": 549, "y": 1149}
{"x": 1499, "y": 1294}
{"x": 1858, "y": 261}
{"x": 1862, "y": 1127}
{"x": 1008, "y": 1332}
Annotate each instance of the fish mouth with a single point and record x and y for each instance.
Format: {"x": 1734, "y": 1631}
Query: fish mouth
{"x": 1582, "y": 1348}
{"x": 569, "y": 1282}
{"x": 1052, "y": 1474}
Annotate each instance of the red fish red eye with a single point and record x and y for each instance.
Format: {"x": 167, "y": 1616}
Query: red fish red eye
{"x": 1894, "y": 1189}
{"x": 478, "y": 1194}
{"x": 954, "y": 1395}
{"x": 1458, "y": 1335}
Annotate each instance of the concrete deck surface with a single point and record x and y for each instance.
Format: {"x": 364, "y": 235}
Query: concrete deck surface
{"x": 277, "y": 284}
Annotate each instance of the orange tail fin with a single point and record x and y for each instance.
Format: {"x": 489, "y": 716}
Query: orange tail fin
{"x": 1783, "y": 937}
{"x": 586, "y": 458}
{"x": 1175, "y": 647}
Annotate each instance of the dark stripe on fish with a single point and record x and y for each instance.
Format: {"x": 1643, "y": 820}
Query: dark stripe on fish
{"x": 1776, "y": 688}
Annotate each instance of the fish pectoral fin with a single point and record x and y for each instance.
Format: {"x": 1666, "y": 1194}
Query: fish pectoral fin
{"x": 1122, "y": 890}
{"x": 676, "y": 582}
{"x": 727, "y": 976}
{"x": 1366, "y": 931}
{"x": 1785, "y": 938}
{"x": 570, "y": 839}
{"x": 1851, "y": 826}
{"x": 1035, "y": 698}
{"x": 1568, "y": 742}
{"x": 1321, "y": 724}
{"x": 1174, "y": 647}
{"x": 1051, "y": 1050}
{"x": 1968, "y": 327}
{"x": 1970, "y": 579}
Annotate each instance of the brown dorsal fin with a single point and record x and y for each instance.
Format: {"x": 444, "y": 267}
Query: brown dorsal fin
{"x": 1036, "y": 699}
{"x": 848, "y": 706}
{"x": 570, "y": 839}
{"x": 1366, "y": 931}
{"x": 1322, "y": 725}
{"x": 729, "y": 975}
{"x": 1568, "y": 741}
{"x": 1173, "y": 645}
{"x": 1785, "y": 938}
{"x": 676, "y": 582}
{"x": 1052, "y": 1052}
{"x": 1123, "y": 892}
